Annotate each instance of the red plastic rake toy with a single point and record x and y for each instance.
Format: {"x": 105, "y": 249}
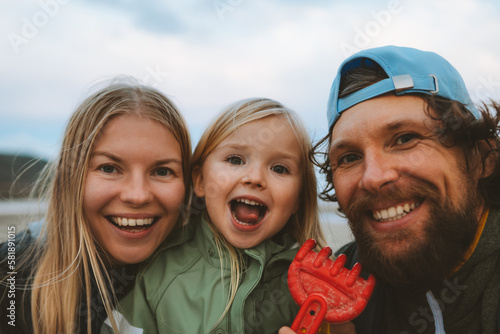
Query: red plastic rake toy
{"x": 325, "y": 289}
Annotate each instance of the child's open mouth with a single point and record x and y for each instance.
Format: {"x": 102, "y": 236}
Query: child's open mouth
{"x": 247, "y": 212}
{"x": 132, "y": 225}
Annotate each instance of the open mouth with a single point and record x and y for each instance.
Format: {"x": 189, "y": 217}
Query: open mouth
{"x": 247, "y": 212}
{"x": 395, "y": 212}
{"x": 132, "y": 224}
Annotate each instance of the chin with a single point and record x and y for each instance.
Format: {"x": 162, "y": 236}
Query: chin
{"x": 243, "y": 244}
{"x": 132, "y": 258}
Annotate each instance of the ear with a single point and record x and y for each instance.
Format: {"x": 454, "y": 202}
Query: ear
{"x": 198, "y": 185}
{"x": 487, "y": 149}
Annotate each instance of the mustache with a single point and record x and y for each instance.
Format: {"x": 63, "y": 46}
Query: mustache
{"x": 364, "y": 204}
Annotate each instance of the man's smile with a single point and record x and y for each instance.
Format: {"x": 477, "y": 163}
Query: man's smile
{"x": 395, "y": 212}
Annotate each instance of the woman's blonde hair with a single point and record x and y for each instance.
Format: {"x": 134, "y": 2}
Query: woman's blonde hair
{"x": 304, "y": 224}
{"x": 69, "y": 256}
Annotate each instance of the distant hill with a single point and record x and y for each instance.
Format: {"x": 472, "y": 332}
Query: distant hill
{"x": 25, "y": 168}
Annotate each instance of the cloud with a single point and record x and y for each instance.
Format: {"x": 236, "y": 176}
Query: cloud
{"x": 205, "y": 57}
{"x": 153, "y": 16}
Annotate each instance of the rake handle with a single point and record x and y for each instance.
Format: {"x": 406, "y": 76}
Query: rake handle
{"x": 311, "y": 315}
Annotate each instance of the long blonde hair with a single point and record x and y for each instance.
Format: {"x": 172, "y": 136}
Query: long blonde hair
{"x": 304, "y": 224}
{"x": 69, "y": 255}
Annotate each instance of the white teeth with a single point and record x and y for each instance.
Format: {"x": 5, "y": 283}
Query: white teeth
{"x": 241, "y": 223}
{"x": 247, "y": 201}
{"x": 132, "y": 222}
{"x": 407, "y": 207}
{"x": 394, "y": 212}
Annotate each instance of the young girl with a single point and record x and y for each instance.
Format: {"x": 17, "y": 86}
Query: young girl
{"x": 255, "y": 204}
{"x": 114, "y": 194}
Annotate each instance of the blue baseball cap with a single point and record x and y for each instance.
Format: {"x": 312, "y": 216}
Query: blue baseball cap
{"x": 409, "y": 71}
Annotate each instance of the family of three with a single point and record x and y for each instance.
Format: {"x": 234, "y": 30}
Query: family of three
{"x": 141, "y": 236}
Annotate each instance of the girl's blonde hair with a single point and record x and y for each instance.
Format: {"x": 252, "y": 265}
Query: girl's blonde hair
{"x": 304, "y": 224}
{"x": 70, "y": 257}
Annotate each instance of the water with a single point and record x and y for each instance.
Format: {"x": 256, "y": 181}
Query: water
{"x": 21, "y": 212}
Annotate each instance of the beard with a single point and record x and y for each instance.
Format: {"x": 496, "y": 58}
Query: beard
{"x": 424, "y": 257}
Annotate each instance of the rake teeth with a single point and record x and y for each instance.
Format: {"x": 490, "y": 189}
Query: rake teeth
{"x": 338, "y": 264}
{"x": 321, "y": 258}
{"x": 313, "y": 276}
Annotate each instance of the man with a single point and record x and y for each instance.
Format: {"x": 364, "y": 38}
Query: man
{"x": 414, "y": 166}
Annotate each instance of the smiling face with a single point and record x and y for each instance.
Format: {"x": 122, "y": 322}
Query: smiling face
{"x": 134, "y": 187}
{"x": 403, "y": 191}
{"x": 251, "y": 181}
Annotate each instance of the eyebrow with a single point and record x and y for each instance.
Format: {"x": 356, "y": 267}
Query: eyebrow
{"x": 106, "y": 154}
{"x": 119, "y": 160}
{"x": 233, "y": 146}
{"x": 338, "y": 145}
{"x": 396, "y": 125}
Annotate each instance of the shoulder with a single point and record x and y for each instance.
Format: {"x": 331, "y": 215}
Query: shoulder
{"x": 16, "y": 256}
{"x": 494, "y": 215}
{"x": 20, "y": 240}
{"x": 19, "y": 252}
{"x": 179, "y": 253}
{"x": 179, "y": 246}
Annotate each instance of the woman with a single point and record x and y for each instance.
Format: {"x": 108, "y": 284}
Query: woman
{"x": 114, "y": 194}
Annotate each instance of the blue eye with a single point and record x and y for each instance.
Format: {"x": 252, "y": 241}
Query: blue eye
{"x": 235, "y": 160}
{"x": 163, "y": 171}
{"x": 108, "y": 169}
{"x": 280, "y": 169}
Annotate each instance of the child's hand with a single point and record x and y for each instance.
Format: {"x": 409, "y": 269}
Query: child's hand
{"x": 346, "y": 328}
{"x": 286, "y": 330}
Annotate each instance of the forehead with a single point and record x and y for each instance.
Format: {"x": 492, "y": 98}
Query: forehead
{"x": 381, "y": 114}
{"x": 127, "y": 130}
{"x": 263, "y": 130}
{"x": 267, "y": 135}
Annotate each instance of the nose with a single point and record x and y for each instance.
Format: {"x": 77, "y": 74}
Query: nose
{"x": 379, "y": 171}
{"x": 255, "y": 177}
{"x": 136, "y": 191}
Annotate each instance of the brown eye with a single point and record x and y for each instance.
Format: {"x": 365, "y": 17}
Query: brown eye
{"x": 349, "y": 158}
{"x": 407, "y": 137}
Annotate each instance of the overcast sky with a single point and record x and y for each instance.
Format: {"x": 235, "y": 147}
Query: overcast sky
{"x": 205, "y": 54}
